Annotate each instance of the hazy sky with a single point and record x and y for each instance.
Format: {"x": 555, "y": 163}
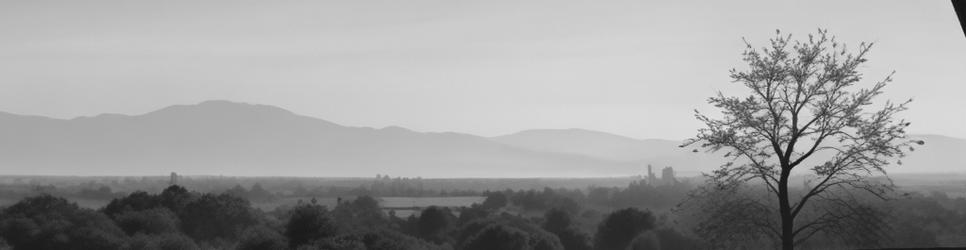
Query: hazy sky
{"x": 635, "y": 68}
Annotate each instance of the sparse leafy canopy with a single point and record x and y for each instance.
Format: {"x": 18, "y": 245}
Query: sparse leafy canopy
{"x": 805, "y": 100}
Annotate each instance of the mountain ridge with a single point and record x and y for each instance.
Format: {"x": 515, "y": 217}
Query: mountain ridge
{"x": 224, "y": 137}
{"x": 243, "y": 139}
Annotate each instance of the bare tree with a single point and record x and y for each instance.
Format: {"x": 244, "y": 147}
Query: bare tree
{"x": 805, "y": 102}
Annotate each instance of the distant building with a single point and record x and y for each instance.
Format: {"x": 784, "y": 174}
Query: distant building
{"x": 667, "y": 177}
{"x": 174, "y": 179}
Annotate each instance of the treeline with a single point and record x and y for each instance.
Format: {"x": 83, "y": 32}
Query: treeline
{"x": 179, "y": 219}
{"x": 108, "y": 187}
{"x": 636, "y": 194}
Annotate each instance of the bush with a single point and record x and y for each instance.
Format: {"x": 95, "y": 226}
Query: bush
{"x": 435, "y": 223}
{"x": 495, "y": 200}
{"x": 573, "y": 239}
{"x": 175, "y": 198}
{"x": 361, "y": 214}
{"x": 619, "y": 228}
{"x": 217, "y": 216}
{"x": 556, "y": 220}
{"x": 471, "y": 213}
{"x": 646, "y": 241}
{"x": 165, "y": 241}
{"x": 309, "y": 222}
{"x": 671, "y": 239}
{"x": 151, "y": 221}
{"x": 498, "y": 236}
{"x": 47, "y": 222}
{"x": 503, "y": 232}
{"x": 135, "y": 201}
{"x": 262, "y": 238}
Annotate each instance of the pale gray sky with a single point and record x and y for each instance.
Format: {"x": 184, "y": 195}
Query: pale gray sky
{"x": 635, "y": 68}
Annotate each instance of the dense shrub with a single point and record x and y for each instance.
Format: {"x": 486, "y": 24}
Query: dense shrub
{"x": 150, "y": 221}
{"x": 435, "y": 223}
{"x": 495, "y": 200}
{"x": 471, "y": 213}
{"x": 498, "y": 236}
{"x": 217, "y": 216}
{"x": 360, "y": 214}
{"x": 135, "y": 201}
{"x": 619, "y": 228}
{"x": 165, "y": 241}
{"x": 309, "y": 222}
{"x": 175, "y": 198}
{"x": 559, "y": 222}
{"x": 47, "y": 222}
{"x": 504, "y": 231}
{"x": 262, "y": 238}
{"x": 573, "y": 239}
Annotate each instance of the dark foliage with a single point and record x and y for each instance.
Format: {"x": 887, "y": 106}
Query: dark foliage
{"x": 360, "y": 214}
{"x": 382, "y": 239}
{"x": 621, "y": 227}
{"x": 556, "y": 220}
{"x": 559, "y": 222}
{"x": 217, "y": 216}
{"x": 495, "y": 200}
{"x": 484, "y": 233}
{"x": 166, "y": 241}
{"x": 435, "y": 223}
{"x": 150, "y": 221}
{"x": 175, "y": 198}
{"x": 262, "y": 238}
{"x": 135, "y": 201}
{"x": 573, "y": 239}
{"x": 309, "y": 222}
{"x": 471, "y": 213}
{"x": 671, "y": 239}
{"x": 47, "y": 222}
{"x": 498, "y": 236}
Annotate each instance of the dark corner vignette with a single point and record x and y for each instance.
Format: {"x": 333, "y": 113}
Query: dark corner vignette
{"x": 960, "y": 7}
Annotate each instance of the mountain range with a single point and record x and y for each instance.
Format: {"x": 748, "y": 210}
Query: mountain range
{"x": 239, "y": 139}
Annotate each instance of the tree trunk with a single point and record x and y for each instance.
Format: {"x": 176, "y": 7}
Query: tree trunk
{"x": 787, "y": 237}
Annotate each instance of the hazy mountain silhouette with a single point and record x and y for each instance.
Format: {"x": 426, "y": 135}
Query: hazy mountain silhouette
{"x": 228, "y": 138}
{"x": 591, "y": 143}
{"x": 220, "y": 137}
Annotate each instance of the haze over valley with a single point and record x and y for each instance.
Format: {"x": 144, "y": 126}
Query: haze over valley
{"x": 240, "y": 139}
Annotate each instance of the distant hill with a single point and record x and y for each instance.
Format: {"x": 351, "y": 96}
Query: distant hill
{"x": 227, "y": 138}
{"x": 590, "y": 143}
